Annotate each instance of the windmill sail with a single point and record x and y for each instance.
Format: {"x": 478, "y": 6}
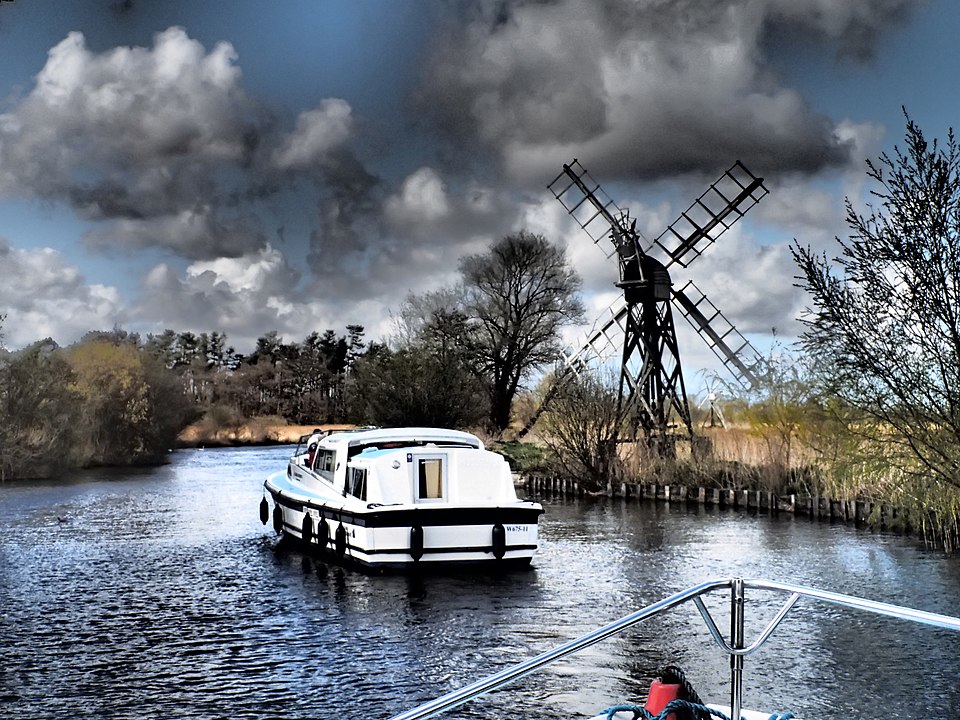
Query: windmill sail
{"x": 710, "y": 215}
{"x": 601, "y": 340}
{"x": 727, "y": 343}
{"x": 587, "y": 203}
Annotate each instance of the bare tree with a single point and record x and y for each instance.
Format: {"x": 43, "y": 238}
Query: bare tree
{"x": 517, "y": 297}
{"x": 884, "y": 327}
{"x": 581, "y": 428}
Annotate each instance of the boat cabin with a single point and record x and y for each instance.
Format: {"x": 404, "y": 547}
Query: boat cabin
{"x": 429, "y": 466}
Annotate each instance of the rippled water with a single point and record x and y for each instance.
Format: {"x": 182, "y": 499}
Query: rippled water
{"x": 158, "y": 594}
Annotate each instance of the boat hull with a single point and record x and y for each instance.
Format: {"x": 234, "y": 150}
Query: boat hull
{"x": 403, "y": 537}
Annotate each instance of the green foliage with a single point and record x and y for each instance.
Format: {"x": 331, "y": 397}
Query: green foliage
{"x": 306, "y": 382}
{"x": 101, "y": 401}
{"x": 524, "y": 457}
{"x": 884, "y": 328}
{"x": 414, "y": 386}
{"x": 170, "y": 409}
{"x": 115, "y": 409}
{"x": 132, "y": 409}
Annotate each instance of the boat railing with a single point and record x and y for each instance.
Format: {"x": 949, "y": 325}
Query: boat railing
{"x": 735, "y": 646}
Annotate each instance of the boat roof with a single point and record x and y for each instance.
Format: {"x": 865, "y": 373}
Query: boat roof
{"x": 358, "y": 440}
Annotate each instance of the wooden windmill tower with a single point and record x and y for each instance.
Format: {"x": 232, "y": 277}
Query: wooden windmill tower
{"x": 651, "y": 388}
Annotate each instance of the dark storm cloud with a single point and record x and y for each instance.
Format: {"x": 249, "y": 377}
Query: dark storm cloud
{"x": 642, "y": 89}
{"x": 163, "y": 147}
{"x": 855, "y": 27}
{"x": 196, "y": 234}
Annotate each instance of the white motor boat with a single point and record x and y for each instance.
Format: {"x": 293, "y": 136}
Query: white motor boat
{"x": 402, "y": 497}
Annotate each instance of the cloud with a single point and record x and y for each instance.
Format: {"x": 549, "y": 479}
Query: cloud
{"x": 44, "y": 296}
{"x": 365, "y": 247}
{"x": 318, "y": 132}
{"x": 162, "y": 147}
{"x": 640, "y": 90}
{"x": 855, "y": 25}
{"x": 158, "y": 146}
{"x": 139, "y": 139}
{"x": 243, "y": 296}
{"x": 752, "y": 284}
{"x": 196, "y": 233}
{"x": 124, "y": 115}
{"x": 246, "y": 297}
{"x": 422, "y": 198}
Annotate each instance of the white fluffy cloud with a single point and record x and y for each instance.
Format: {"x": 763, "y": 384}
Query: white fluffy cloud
{"x": 160, "y": 146}
{"x": 422, "y": 199}
{"x": 44, "y": 296}
{"x": 130, "y": 113}
{"x": 239, "y": 296}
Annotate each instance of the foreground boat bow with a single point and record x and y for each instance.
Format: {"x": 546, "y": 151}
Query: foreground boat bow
{"x": 735, "y": 646}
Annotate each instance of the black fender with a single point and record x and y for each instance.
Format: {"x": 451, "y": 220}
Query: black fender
{"x": 499, "y": 541}
{"x": 416, "y": 542}
{"x": 278, "y": 519}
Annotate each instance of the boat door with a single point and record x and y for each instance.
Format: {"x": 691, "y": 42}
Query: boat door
{"x": 429, "y": 477}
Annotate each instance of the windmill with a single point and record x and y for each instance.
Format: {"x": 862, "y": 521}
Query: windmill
{"x": 651, "y": 388}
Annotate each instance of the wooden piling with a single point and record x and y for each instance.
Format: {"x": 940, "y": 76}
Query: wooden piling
{"x": 855, "y": 511}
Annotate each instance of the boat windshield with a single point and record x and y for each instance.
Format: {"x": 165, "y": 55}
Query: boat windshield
{"x": 325, "y": 462}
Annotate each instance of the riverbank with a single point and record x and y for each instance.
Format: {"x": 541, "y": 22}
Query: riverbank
{"x": 253, "y": 432}
{"x": 858, "y": 512}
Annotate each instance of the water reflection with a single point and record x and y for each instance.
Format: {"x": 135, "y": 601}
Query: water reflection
{"x": 159, "y": 594}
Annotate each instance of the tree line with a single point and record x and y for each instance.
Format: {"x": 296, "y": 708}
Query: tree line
{"x": 458, "y": 358}
{"x": 98, "y": 402}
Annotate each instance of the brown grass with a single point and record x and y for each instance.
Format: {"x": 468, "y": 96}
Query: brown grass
{"x": 256, "y": 431}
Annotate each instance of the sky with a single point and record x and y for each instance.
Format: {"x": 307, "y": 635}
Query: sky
{"x": 303, "y": 165}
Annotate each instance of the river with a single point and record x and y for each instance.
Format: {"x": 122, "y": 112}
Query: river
{"x": 157, "y": 593}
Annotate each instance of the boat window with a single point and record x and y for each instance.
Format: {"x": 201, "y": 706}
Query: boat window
{"x": 324, "y": 463}
{"x": 430, "y": 478}
{"x": 357, "y": 482}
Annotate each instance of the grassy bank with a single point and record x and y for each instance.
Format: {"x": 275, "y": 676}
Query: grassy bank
{"x": 255, "y": 431}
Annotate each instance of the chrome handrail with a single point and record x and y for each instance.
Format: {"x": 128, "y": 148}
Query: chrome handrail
{"x": 735, "y": 648}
